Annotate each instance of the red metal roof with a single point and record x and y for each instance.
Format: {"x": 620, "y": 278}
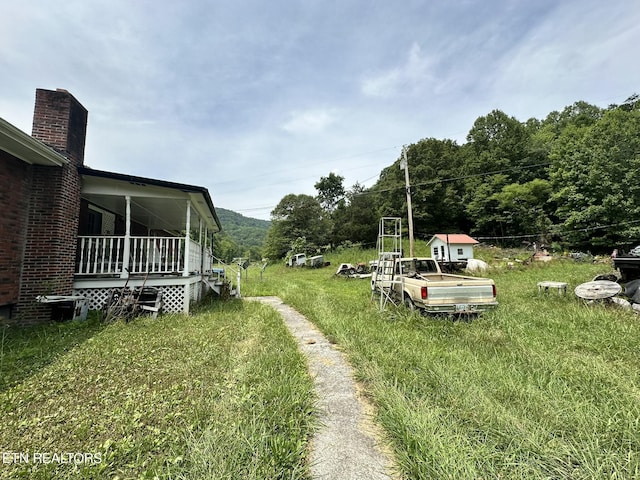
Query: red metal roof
{"x": 458, "y": 238}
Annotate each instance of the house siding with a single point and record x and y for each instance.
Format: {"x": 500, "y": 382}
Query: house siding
{"x": 15, "y": 181}
{"x": 41, "y": 211}
{"x": 444, "y": 250}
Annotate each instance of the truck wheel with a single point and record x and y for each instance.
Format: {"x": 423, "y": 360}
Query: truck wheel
{"x": 408, "y": 303}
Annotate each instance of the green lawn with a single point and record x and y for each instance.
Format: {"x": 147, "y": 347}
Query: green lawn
{"x": 543, "y": 387}
{"x": 221, "y": 394}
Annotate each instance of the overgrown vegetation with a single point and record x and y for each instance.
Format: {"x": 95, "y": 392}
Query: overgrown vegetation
{"x": 566, "y": 179}
{"x": 223, "y": 394}
{"x": 543, "y": 387}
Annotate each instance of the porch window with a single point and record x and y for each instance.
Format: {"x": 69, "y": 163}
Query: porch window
{"x": 94, "y": 222}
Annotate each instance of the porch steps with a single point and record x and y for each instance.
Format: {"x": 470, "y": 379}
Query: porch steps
{"x": 218, "y": 286}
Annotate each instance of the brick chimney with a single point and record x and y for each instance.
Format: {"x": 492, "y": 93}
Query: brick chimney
{"x": 48, "y": 266}
{"x": 61, "y": 122}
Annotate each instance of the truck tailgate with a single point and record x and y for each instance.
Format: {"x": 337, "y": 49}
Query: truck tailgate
{"x": 459, "y": 294}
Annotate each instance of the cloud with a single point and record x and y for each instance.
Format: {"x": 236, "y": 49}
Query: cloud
{"x": 413, "y": 75}
{"x": 255, "y": 102}
{"x": 309, "y": 121}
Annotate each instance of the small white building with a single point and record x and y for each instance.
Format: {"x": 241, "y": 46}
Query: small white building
{"x": 451, "y": 247}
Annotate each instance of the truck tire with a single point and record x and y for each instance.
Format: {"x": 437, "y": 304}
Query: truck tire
{"x": 409, "y": 303}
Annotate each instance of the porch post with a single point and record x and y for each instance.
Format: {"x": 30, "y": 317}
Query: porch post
{"x": 201, "y": 248}
{"x": 205, "y": 250}
{"x": 187, "y": 237}
{"x": 127, "y": 239}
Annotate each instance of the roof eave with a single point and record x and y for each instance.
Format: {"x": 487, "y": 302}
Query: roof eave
{"x": 26, "y": 148}
{"x": 189, "y": 189}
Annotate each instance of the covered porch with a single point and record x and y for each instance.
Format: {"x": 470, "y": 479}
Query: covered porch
{"x": 144, "y": 232}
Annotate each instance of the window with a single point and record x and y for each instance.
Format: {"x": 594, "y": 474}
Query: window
{"x": 435, "y": 252}
{"x": 94, "y": 222}
{"x": 426, "y": 266}
{"x": 460, "y": 251}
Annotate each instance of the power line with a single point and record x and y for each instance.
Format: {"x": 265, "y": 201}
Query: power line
{"x": 561, "y": 232}
{"x": 430, "y": 182}
{"x": 463, "y": 177}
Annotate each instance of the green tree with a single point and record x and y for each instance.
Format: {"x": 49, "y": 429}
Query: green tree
{"x": 246, "y": 234}
{"x": 496, "y": 155}
{"x": 594, "y": 177}
{"x": 225, "y": 248}
{"x": 294, "y": 217}
{"x": 522, "y": 207}
{"x": 436, "y": 187}
{"x": 579, "y": 114}
{"x": 330, "y": 191}
{"x": 355, "y": 219}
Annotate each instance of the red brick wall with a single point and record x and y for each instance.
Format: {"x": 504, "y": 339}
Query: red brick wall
{"x": 61, "y": 122}
{"x": 15, "y": 180}
{"x": 54, "y": 206}
{"x": 50, "y": 246}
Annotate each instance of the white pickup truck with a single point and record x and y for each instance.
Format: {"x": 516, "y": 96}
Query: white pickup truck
{"x": 419, "y": 283}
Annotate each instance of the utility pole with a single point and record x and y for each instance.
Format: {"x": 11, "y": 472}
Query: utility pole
{"x": 405, "y": 164}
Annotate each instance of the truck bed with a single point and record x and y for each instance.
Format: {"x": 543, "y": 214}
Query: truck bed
{"x": 445, "y": 277}
{"x": 446, "y": 293}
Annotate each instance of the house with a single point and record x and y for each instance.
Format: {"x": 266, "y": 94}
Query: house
{"x": 69, "y": 230}
{"x": 451, "y": 247}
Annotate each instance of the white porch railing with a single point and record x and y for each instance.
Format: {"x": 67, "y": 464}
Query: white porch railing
{"x": 104, "y": 255}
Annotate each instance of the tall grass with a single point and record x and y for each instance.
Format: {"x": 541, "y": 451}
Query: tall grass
{"x": 221, "y": 394}
{"x": 545, "y": 386}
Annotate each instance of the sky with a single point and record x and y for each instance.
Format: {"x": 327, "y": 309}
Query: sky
{"x": 255, "y": 100}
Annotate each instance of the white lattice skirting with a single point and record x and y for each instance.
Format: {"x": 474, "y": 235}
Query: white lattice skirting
{"x": 172, "y": 296}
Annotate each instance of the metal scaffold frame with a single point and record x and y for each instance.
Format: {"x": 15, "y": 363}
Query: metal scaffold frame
{"x": 389, "y": 251}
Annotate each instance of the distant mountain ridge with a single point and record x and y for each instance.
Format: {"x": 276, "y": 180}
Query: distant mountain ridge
{"x": 243, "y": 231}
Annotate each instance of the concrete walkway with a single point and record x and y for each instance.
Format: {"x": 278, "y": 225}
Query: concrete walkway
{"x": 346, "y": 446}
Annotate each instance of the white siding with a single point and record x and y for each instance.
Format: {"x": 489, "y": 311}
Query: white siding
{"x": 443, "y": 251}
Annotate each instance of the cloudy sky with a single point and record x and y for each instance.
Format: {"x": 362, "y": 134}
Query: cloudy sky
{"x": 258, "y": 99}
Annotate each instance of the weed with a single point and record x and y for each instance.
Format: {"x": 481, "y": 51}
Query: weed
{"x": 545, "y": 386}
{"x": 223, "y": 393}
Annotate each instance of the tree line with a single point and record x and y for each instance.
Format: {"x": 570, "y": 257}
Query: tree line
{"x": 570, "y": 179}
{"x": 241, "y": 237}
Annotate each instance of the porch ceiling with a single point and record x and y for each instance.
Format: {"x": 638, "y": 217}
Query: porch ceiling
{"x": 156, "y": 204}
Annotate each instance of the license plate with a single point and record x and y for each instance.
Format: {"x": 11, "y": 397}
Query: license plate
{"x": 462, "y": 308}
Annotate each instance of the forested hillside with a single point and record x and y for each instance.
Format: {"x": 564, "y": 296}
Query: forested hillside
{"x": 570, "y": 179}
{"x": 241, "y": 236}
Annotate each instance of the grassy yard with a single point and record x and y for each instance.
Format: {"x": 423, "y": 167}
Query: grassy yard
{"x": 543, "y": 387}
{"x": 221, "y": 394}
